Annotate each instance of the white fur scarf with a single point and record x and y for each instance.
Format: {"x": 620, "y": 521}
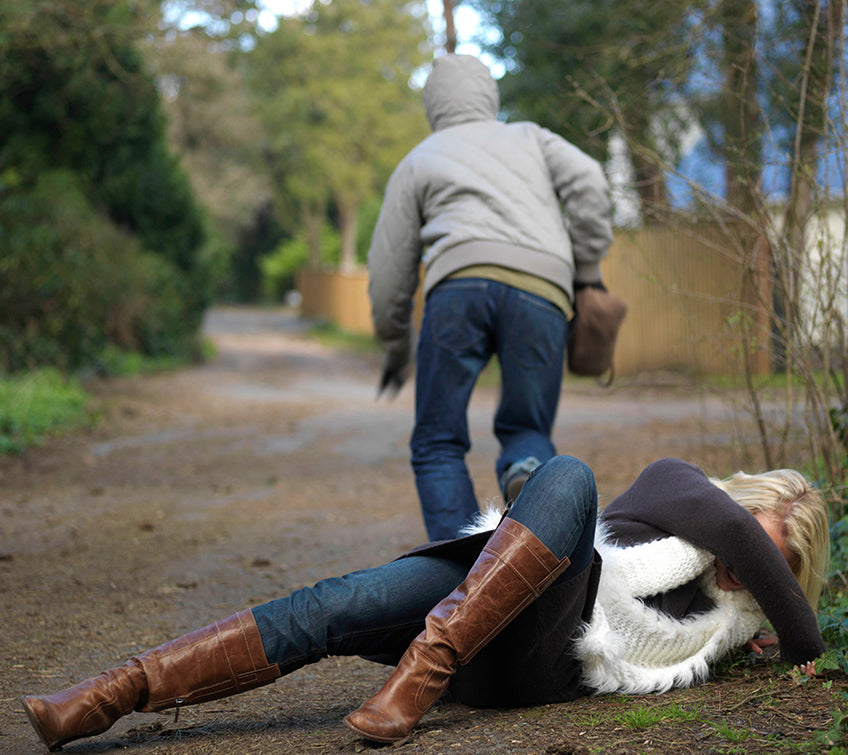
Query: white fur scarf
{"x": 631, "y": 648}
{"x": 485, "y": 521}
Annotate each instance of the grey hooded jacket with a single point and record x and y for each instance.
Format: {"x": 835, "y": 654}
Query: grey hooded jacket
{"x": 478, "y": 191}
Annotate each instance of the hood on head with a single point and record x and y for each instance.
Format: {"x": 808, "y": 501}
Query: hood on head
{"x": 459, "y": 89}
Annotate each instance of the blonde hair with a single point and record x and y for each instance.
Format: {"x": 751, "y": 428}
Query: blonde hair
{"x": 787, "y": 496}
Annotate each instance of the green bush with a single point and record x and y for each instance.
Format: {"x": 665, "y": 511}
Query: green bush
{"x": 833, "y": 608}
{"x": 839, "y": 422}
{"x": 242, "y": 277}
{"x": 32, "y": 405}
{"x": 54, "y": 293}
{"x": 167, "y": 311}
{"x": 279, "y": 267}
{"x": 102, "y": 240}
{"x": 74, "y": 282}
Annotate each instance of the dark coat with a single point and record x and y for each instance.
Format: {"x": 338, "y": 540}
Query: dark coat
{"x": 531, "y": 662}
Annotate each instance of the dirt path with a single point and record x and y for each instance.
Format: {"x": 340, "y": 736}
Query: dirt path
{"x": 207, "y": 490}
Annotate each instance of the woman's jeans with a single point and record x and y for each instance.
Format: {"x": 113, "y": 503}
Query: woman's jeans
{"x": 378, "y": 612}
{"x": 466, "y": 322}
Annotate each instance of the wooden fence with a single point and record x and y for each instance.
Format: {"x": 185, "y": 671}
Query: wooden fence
{"x": 691, "y": 292}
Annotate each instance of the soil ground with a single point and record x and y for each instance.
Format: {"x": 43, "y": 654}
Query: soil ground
{"x": 207, "y": 490}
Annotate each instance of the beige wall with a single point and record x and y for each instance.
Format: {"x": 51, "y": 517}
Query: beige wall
{"x": 340, "y": 298}
{"x": 685, "y": 289}
{"x": 688, "y": 293}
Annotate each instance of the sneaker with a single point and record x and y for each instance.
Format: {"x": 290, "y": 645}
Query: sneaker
{"x": 512, "y": 481}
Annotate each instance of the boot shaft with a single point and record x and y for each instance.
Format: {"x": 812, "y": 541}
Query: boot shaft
{"x": 512, "y": 570}
{"x": 216, "y": 661}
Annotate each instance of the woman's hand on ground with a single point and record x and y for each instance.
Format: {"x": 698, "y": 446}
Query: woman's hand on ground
{"x": 807, "y": 668}
{"x": 756, "y": 644}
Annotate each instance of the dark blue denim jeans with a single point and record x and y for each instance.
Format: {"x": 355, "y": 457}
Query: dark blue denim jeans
{"x": 378, "y": 612}
{"x": 466, "y": 322}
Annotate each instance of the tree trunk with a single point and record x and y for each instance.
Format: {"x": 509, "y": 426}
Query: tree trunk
{"x": 741, "y": 111}
{"x": 349, "y": 225}
{"x": 313, "y": 221}
{"x": 450, "y": 27}
{"x": 821, "y": 44}
{"x": 647, "y": 163}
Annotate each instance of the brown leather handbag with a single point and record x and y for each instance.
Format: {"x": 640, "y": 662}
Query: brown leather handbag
{"x": 592, "y": 332}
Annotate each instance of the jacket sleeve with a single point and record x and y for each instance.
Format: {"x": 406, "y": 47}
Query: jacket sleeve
{"x": 393, "y": 261}
{"x": 678, "y": 498}
{"x": 584, "y": 193}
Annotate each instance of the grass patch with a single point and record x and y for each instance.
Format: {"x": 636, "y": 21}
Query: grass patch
{"x": 334, "y": 337}
{"x": 45, "y": 401}
{"x": 638, "y": 717}
{"x": 641, "y": 717}
{"x": 114, "y": 362}
{"x": 732, "y": 734}
{"x": 35, "y": 404}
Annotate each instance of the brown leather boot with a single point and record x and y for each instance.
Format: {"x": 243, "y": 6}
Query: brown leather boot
{"x": 512, "y": 570}
{"x": 210, "y": 663}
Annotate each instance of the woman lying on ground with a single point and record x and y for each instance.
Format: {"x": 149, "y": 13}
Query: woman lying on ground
{"x": 542, "y": 610}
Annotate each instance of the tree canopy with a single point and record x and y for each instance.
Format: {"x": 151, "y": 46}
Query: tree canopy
{"x": 333, "y": 90}
{"x": 737, "y": 71}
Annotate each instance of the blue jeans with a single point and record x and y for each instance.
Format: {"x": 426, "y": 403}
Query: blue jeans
{"x": 466, "y": 322}
{"x": 378, "y": 612}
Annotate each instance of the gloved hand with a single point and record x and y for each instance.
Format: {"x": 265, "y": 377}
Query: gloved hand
{"x": 395, "y": 366}
{"x": 391, "y": 381}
